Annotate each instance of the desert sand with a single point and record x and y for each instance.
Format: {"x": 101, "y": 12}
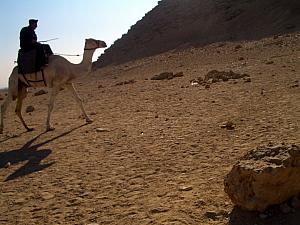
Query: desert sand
{"x": 157, "y": 151}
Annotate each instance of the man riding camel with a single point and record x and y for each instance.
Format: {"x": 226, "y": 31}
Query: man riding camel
{"x": 28, "y": 42}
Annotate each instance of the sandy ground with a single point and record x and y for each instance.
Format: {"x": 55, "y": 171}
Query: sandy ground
{"x": 156, "y": 152}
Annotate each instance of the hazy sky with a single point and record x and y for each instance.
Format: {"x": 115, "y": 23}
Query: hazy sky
{"x": 69, "y": 20}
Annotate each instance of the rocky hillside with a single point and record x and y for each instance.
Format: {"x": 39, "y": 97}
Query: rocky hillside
{"x": 183, "y": 23}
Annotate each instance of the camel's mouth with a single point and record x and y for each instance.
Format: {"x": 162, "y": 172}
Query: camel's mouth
{"x": 103, "y": 44}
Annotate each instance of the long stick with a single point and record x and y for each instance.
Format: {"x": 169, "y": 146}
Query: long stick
{"x": 50, "y": 40}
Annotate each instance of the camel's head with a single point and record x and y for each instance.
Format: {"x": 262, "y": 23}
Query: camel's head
{"x": 94, "y": 44}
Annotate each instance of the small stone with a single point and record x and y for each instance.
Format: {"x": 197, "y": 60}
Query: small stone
{"x": 295, "y": 202}
{"x": 263, "y": 216}
{"x": 158, "y": 210}
{"x": 237, "y": 47}
{"x": 284, "y": 208}
{"x": 247, "y": 79}
{"x": 207, "y": 86}
{"x": 29, "y": 109}
{"x": 185, "y": 188}
{"x": 20, "y": 200}
{"x": 228, "y": 125}
{"x": 211, "y": 215}
{"x": 47, "y": 195}
{"x": 102, "y": 130}
{"x": 7, "y": 165}
{"x": 200, "y": 202}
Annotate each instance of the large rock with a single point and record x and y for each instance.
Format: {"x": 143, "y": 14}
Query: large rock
{"x": 264, "y": 177}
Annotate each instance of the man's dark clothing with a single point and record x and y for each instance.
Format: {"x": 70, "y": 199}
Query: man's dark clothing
{"x": 28, "y": 39}
{"x": 28, "y": 42}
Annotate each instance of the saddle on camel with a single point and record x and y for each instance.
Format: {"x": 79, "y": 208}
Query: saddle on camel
{"x": 33, "y": 56}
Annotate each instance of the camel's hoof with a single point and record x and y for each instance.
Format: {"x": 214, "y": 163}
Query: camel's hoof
{"x": 88, "y": 120}
{"x": 29, "y": 129}
{"x": 50, "y": 129}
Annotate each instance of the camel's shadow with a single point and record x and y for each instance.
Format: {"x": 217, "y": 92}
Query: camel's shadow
{"x": 31, "y": 154}
{"x": 275, "y": 217}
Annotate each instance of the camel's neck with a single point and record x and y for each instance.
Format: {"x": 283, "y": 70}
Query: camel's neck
{"x": 86, "y": 62}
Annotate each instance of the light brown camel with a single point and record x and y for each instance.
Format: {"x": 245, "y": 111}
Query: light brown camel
{"x": 59, "y": 73}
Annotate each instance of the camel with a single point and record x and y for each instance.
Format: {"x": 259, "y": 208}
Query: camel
{"x": 57, "y": 74}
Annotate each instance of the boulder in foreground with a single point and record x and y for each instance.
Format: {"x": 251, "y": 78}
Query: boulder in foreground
{"x": 264, "y": 177}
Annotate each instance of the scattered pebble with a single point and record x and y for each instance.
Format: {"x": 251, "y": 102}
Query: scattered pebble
{"x": 29, "y": 109}
{"x": 228, "y": 125}
{"x": 158, "y": 210}
{"x": 185, "y": 188}
{"x": 7, "y": 165}
{"x": 211, "y": 215}
{"x": 295, "y": 202}
{"x": 102, "y": 130}
{"x": 47, "y": 195}
{"x": 263, "y": 216}
{"x": 284, "y": 208}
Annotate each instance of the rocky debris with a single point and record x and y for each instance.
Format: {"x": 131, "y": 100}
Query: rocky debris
{"x": 102, "y": 130}
{"x": 237, "y": 47}
{"x": 215, "y": 215}
{"x": 264, "y": 177}
{"x": 158, "y": 210}
{"x": 46, "y": 195}
{"x": 167, "y": 76}
{"x": 29, "y": 109}
{"x": 125, "y": 82}
{"x": 215, "y": 76}
{"x": 247, "y": 79}
{"x": 211, "y": 215}
{"x": 200, "y": 203}
{"x": 7, "y": 165}
{"x": 229, "y": 125}
{"x": 295, "y": 84}
{"x": 269, "y": 62}
{"x": 40, "y": 92}
{"x": 285, "y": 208}
{"x": 185, "y": 188}
{"x": 295, "y": 202}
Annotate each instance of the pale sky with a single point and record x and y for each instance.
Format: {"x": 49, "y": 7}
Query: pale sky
{"x": 71, "y": 21}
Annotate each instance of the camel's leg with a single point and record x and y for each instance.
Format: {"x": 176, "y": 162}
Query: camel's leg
{"x": 11, "y": 96}
{"x": 3, "y": 108}
{"x": 22, "y": 93}
{"x": 79, "y": 102}
{"x": 53, "y": 93}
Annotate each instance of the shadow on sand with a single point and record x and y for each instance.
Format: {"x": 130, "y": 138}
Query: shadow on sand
{"x": 239, "y": 216}
{"x": 7, "y": 137}
{"x": 31, "y": 154}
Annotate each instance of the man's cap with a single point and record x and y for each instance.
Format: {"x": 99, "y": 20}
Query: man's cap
{"x": 32, "y": 21}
